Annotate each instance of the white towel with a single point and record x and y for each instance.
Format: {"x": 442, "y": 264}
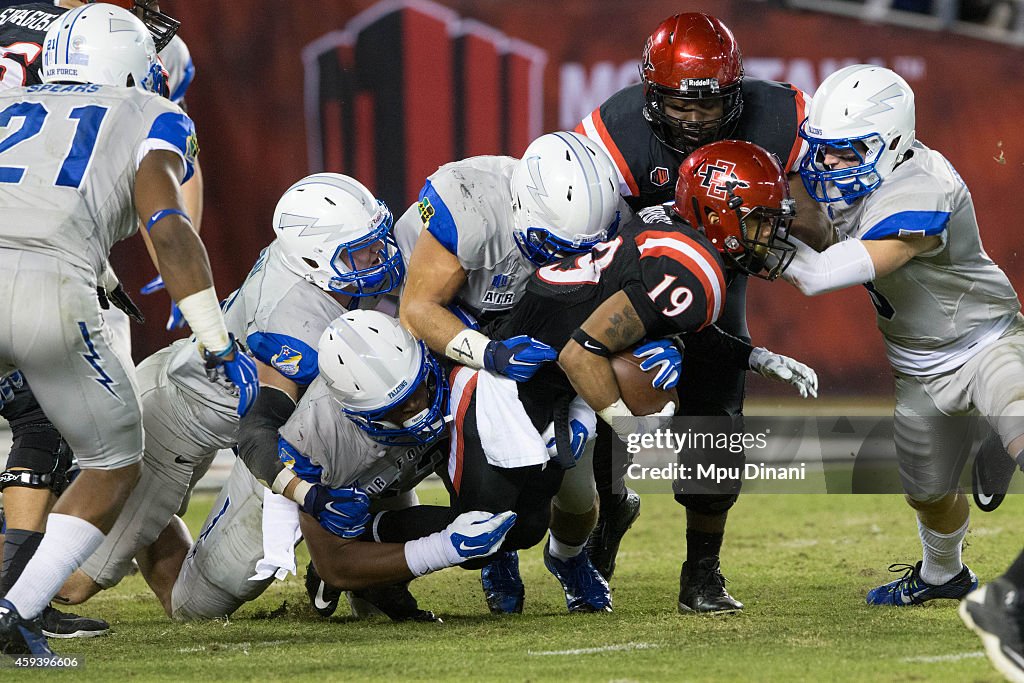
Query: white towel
{"x": 506, "y": 432}
{"x": 280, "y": 534}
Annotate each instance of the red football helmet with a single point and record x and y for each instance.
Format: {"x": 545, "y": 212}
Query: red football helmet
{"x": 692, "y": 56}
{"x": 161, "y": 26}
{"x": 737, "y": 194}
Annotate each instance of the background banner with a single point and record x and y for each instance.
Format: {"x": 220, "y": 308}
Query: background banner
{"x": 387, "y": 91}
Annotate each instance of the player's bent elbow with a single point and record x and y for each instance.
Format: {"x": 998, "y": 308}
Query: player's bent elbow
{"x": 572, "y": 356}
{"x": 341, "y": 569}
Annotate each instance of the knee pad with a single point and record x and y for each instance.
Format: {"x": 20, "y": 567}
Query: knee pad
{"x": 708, "y": 503}
{"x": 39, "y": 458}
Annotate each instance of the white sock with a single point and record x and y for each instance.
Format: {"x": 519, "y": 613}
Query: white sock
{"x": 563, "y": 551}
{"x": 941, "y": 554}
{"x": 67, "y": 543}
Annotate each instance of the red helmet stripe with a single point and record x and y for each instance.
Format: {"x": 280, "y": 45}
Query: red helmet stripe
{"x": 800, "y": 100}
{"x": 593, "y": 127}
{"x": 692, "y": 256}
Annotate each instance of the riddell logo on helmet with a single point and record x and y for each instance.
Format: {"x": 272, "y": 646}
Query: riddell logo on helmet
{"x": 699, "y": 84}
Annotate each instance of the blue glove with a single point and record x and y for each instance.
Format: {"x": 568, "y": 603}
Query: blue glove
{"x": 579, "y": 439}
{"x": 239, "y": 368}
{"x": 518, "y": 358}
{"x": 8, "y": 384}
{"x": 664, "y": 355}
{"x": 344, "y": 512}
{"x": 154, "y": 285}
{"x": 176, "y": 320}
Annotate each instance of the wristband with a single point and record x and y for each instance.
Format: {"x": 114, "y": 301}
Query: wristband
{"x": 425, "y": 555}
{"x": 590, "y": 344}
{"x": 202, "y": 311}
{"x": 301, "y": 489}
{"x": 467, "y": 348}
{"x": 164, "y": 213}
{"x": 617, "y": 409}
{"x": 281, "y": 481}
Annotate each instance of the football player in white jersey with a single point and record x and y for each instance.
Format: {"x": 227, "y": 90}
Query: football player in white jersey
{"x": 374, "y": 422}
{"x": 63, "y": 208}
{"x": 38, "y": 448}
{"x": 948, "y": 315}
{"x": 334, "y": 250}
{"x": 481, "y": 227}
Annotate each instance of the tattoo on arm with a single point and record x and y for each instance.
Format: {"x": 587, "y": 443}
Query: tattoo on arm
{"x": 625, "y": 328}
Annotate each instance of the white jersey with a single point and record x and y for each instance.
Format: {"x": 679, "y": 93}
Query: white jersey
{"x": 467, "y": 206}
{"x": 323, "y": 446}
{"x": 943, "y": 305}
{"x": 279, "y": 315}
{"x": 57, "y": 196}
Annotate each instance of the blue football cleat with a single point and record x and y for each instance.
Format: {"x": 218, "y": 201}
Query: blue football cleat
{"x": 911, "y": 589}
{"x": 503, "y": 587}
{"x": 585, "y": 588}
{"x": 20, "y": 636}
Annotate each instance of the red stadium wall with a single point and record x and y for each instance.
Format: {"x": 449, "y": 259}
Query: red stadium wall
{"x": 415, "y": 84}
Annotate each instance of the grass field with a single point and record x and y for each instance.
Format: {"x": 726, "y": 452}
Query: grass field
{"x": 801, "y": 563}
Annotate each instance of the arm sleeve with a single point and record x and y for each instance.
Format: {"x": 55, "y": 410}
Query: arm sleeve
{"x": 257, "y": 433}
{"x": 841, "y": 265}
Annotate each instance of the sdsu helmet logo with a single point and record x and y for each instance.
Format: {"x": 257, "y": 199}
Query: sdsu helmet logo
{"x": 645, "y": 61}
{"x": 717, "y": 175}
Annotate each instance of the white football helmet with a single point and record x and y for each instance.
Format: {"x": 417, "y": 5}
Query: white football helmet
{"x": 103, "y": 44}
{"x": 565, "y": 197}
{"x": 862, "y": 104}
{"x": 333, "y": 232}
{"x": 372, "y": 365}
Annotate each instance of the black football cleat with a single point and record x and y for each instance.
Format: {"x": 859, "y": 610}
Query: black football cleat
{"x": 394, "y": 601}
{"x": 994, "y": 612}
{"x": 603, "y": 544}
{"x": 57, "y": 624}
{"x": 322, "y": 597}
{"x": 991, "y": 473}
{"x": 20, "y": 636}
{"x": 702, "y": 589}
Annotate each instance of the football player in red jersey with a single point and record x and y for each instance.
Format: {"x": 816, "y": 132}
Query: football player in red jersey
{"x": 658, "y": 277}
{"x": 693, "y": 92}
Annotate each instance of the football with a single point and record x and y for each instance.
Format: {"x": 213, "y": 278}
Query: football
{"x": 638, "y": 393}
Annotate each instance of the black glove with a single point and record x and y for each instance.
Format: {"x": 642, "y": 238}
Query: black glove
{"x": 121, "y": 300}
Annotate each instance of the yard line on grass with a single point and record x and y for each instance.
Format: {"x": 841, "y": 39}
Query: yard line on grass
{"x": 594, "y": 650}
{"x": 232, "y": 646}
{"x": 944, "y": 658}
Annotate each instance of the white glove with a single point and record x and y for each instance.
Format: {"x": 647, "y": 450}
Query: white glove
{"x": 472, "y": 535}
{"x": 624, "y": 423}
{"x": 784, "y": 369}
